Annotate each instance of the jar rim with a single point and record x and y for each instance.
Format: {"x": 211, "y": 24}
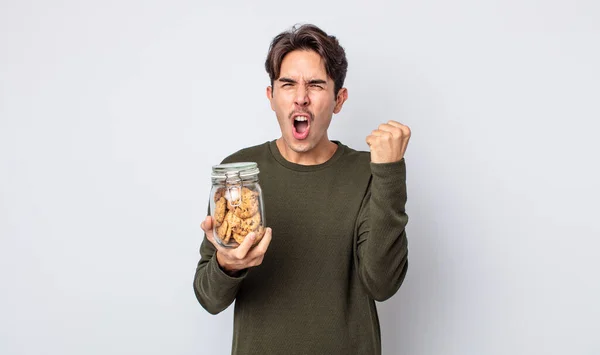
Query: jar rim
{"x": 244, "y": 169}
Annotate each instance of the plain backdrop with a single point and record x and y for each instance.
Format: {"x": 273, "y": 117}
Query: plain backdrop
{"x": 113, "y": 112}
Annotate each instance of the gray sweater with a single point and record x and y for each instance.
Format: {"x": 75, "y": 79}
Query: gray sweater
{"x": 339, "y": 244}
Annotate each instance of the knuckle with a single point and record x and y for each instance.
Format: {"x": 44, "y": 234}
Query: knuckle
{"x": 238, "y": 256}
{"x": 261, "y": 250}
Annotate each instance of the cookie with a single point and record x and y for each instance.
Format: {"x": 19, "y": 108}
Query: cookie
{"x": 248, "y": 206}
{"x": 248, "y": 225}
{"x": 236, "y": 218}
{"x": 260, "y": 232}
{"x": 219, "y": 193}
{"x": 233, "y": 221}
{"x": 222, "y": 231}
{"x": 220, "y": 210}
{"x": 238, "y": 238}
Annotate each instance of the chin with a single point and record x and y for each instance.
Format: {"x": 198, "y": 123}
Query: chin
{"x": 299, "y": 146}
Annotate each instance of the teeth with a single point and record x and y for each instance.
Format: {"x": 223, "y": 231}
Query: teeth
{"x": 300, "y": 118}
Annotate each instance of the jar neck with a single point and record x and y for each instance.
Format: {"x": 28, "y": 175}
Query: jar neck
{"x": 245, "y": 180}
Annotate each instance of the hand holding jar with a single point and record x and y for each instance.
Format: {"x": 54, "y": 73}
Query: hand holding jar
{"x": 233, "y": 260}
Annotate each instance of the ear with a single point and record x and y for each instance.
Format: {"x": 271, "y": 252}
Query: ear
{"x": 342, "y": 96}
{"x": 270, "y": 96}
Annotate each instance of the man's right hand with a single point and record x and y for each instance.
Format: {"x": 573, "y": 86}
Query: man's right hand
{"x": 234, "y": 260}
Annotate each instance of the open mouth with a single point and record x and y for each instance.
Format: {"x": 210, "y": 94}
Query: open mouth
{"x": 301, "y": 127}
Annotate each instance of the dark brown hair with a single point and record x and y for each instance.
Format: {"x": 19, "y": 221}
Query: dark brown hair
{"x": 308, "y": 37}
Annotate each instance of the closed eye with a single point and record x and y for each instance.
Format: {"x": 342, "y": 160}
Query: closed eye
{"x": 317, "y": 83}
{"x": 286, "y": 82}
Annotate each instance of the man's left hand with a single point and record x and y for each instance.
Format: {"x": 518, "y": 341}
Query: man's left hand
{"x": 388, "y": 142}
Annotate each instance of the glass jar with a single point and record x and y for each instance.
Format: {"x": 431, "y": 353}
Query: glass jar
{"x": 236, "y": 203}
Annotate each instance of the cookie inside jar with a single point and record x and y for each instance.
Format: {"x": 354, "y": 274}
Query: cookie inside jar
{"x": 237, "y": 207}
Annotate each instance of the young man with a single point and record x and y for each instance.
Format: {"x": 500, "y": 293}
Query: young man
{"x": 336, "y": 242}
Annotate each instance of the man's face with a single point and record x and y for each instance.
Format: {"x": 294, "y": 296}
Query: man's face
{"x": 303, "y": 99}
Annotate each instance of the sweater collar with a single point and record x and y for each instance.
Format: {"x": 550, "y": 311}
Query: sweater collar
{"x": 299, "y": 167}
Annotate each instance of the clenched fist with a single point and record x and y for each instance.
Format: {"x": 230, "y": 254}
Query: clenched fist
{"x": 388, "y": 142}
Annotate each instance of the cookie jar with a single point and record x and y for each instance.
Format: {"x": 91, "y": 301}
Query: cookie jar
{"x": 236, "y": 203}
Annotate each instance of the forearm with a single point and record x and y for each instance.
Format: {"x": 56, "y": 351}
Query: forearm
{"x": 214, "y": 289}
{"x": 382, "y": 243}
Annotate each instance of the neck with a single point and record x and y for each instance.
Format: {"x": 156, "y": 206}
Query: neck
{"x": 318, "y": 155}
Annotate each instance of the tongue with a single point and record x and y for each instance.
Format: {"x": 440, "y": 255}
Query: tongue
{"x": 301, "y": 126}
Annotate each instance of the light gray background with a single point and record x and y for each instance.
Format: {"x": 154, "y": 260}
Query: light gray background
{"x": 112, "y": 113}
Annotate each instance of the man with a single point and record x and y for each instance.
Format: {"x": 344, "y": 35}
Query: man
{"x": 336, "y": 242}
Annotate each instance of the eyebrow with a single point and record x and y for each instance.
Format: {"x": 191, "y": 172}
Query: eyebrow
{"x": 313, "y": 81}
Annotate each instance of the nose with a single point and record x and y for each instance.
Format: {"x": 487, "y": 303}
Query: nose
{"x": 302, "y": 98}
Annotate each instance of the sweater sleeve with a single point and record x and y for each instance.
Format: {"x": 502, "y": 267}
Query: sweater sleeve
{"x": 382, "y": 249}
{"x": 214, "y": 289}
